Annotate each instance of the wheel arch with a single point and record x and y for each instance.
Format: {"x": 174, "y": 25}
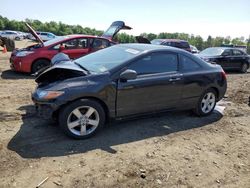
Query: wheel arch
{"x": 101, "y": 102}
{"x": 37, "y": 59}
{"x": 216, "y": 91}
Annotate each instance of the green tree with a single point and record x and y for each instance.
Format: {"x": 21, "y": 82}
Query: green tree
{"x": 151, "y": 36}
{"x": 2, "y": 26}
{"x": 248, "y": 45}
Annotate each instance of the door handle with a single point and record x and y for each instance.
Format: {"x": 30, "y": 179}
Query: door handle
{"x": 174, "y": 79}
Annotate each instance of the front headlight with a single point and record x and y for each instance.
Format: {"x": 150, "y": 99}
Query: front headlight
{"x": 24, "y": 53}
{"x": 48, "y": 95}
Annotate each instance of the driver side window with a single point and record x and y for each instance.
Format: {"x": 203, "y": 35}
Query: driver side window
{"x": 227, "y": 52}
{"x": 155, "y": 63}
{"x": 79, "y": 43}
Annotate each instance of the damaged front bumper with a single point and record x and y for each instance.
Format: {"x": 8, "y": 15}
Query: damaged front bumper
{"x": 44, "y": 109}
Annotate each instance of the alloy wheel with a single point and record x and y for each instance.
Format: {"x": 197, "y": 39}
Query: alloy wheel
{"x": 83, "y": 120}
{"x": 208, "y": 102}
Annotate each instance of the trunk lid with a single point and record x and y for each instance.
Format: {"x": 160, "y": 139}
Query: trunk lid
{"x": 114, "y": 28}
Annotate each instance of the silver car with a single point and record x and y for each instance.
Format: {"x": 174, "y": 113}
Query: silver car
{"x": 14, "y": 35}
{"x": 45, "y": 36}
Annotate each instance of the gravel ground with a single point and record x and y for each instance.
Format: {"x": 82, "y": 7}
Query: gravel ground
{"x": 174, "y": 149}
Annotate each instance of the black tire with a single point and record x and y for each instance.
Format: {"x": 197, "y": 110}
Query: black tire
{"x": 199, "y": 108}
{"x": 9, "y": 44}
{"x": 39, "y": 64}
{"x": 66, "y": 116}
{"x": 244, "y": 67}
{"x": 17, "y": 38}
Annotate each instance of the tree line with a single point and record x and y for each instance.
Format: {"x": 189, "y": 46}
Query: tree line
{"x": 59, "y": 28}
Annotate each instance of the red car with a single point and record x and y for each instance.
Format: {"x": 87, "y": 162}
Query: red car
{"x": 35, "y": 57}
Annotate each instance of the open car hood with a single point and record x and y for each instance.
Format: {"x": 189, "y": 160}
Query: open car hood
{"x": 59, "y": 72}
{"x": 114, "y": 29}
{"x": 141, "y": 39}
{"x": 32, "y": 31}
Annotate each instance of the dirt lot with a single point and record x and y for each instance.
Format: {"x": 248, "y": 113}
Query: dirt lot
{"x": 171, "y": 150}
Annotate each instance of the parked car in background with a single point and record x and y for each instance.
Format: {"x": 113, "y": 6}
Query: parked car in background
{"x": 14, "y": 35}
{"x": 24, "y": 34}
{"x": 194, "y": 50}
{"x": 123, "y": 81}
{"x": 228, "y": 58}
{"x": 241, "y": 47}
{"x": 45, "y": 36}
{"x": 36, "y": 57}
{"x": 182, "y": 44}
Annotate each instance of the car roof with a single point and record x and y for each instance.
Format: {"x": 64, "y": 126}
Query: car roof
{"x": 9, "y": 31}
{"x": 88, "y": 36}
{"x": 149, "y": 47}
{"x": 171, "y": 40}
{"x": 43, "y": 32}
{"x": 224, "y": 48}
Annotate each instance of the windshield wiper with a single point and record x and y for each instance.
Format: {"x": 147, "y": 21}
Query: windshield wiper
{"x": 82, "y": 67}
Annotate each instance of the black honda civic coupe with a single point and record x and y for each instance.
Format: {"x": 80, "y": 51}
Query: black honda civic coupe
{"x": 126, "y": 80}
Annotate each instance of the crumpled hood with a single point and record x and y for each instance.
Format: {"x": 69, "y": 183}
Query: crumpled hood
{"x": 60, "y": 72}
{"x": 75, "y": 82}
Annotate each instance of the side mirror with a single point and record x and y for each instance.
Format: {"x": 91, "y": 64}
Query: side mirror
{"x": 128, "y": 75}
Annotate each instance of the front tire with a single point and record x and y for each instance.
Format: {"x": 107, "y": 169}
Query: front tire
{"x": 39, "y": 65}
{"x": 244, "y": 68}
{"x": 206, "y": 103}
{"x": 82, "y": 118}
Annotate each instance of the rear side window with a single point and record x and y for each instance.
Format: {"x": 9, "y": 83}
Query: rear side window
{"x": 184, "y": 45}
{"x": 155, "y": 63}
{"x": 188, "y": 64}
{"x": 180, "y": 44}
{"x": 237, "y": 52}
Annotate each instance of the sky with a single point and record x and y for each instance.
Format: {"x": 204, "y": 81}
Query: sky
{"x": 208, "y": 17}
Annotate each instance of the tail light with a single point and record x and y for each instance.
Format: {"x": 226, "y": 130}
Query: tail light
{"x": 224, "y": 76}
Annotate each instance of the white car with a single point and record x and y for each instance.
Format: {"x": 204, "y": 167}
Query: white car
{"x": 45, "y": 36}
{"x": 194, "y": 50}
{"x": 12, "y": 35}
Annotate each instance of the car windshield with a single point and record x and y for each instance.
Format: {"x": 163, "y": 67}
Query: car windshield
{"x": 55, "y": 40}
{"x": 212, "y": 51}
{"x": 106, "y": 59}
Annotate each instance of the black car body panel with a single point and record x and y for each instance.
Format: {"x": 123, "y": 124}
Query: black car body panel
{"x": 180, "y": 89}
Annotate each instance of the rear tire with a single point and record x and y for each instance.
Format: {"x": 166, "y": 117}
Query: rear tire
{"x": 82, "y": 118}
{"x": 244, "y": 68}
{"x": 17, "y": 38}
{"x": 206, "y": 103}
{"x": 39, "y": 65}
